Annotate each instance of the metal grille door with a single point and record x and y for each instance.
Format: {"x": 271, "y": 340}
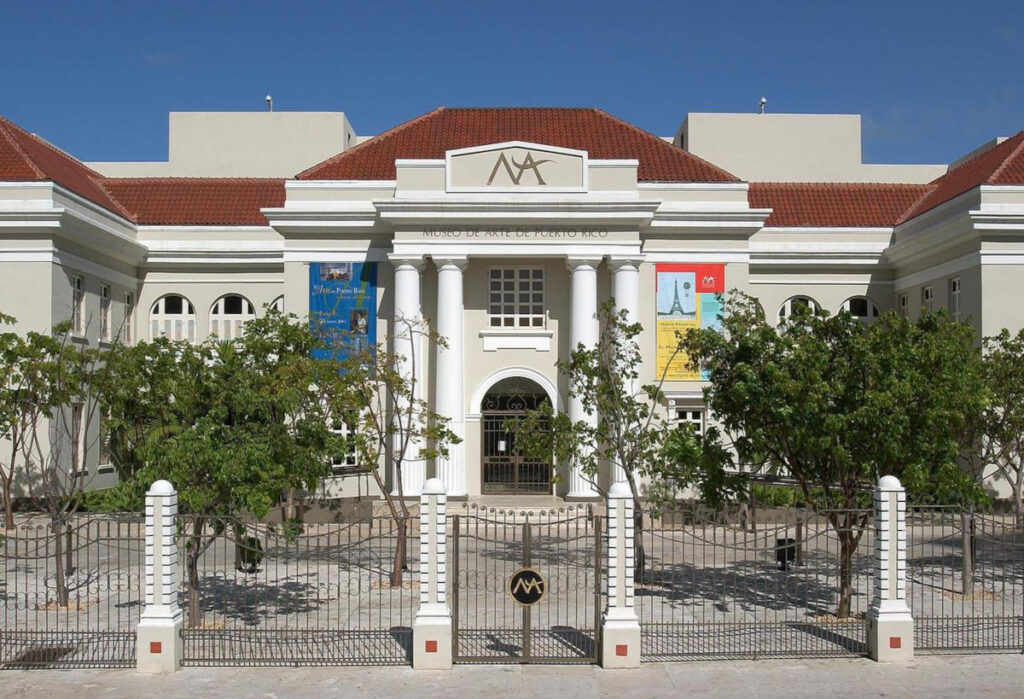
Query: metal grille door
{"x": 490, "y": 545}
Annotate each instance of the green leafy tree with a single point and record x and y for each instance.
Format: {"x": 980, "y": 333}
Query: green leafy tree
{"x": 835, "y": 404}
{"x": 11, "y": 393}
{"x": 232, "y": 425}
{"x": 628, "y": 432}
{"x": 1001, "y": 434}
{"x": 377, "y": 393}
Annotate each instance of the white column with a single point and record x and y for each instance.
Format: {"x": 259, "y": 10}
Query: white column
{"x": 626, "y": 292}
{"x": 890, "y": 624}
{"x": 158, "y": 635}
{"x": 449, "y": 392}
{"x": 620, "y": 626}
{"x": 583, "y": 330}
{"x": 408, "y": 352}
{"x": 432, "y": 628}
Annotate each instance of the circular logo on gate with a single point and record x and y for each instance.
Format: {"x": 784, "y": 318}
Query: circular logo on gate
{"x": 527, "y": 587}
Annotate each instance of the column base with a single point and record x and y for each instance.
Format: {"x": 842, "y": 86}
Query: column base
{"x": 432, "y": 638}
{"x": 159, "y": 644}
{"x": 620, "y": 640}
{"x": 890, "y": 635}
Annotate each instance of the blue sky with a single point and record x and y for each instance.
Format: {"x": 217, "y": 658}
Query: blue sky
{"x": 932, "y": 79}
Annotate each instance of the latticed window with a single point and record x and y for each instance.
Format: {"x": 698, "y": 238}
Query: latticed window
{"x": 129, "y": 317}
{"x": 77, "y": 305}
{"x": 347, "y": 460}
{"x": 104, "y": 312}
{"x": 691, "y": 419}
{"x": 861, "y": 307}
{"x": 904, "y": 305}
{"x": 797, "y": 302}
{"x": 173, "y": 317}
{"x": 229, "y": 316}
{"x": 927, "y": 297}
{"x": 954, "y": 298}
{"x": 516, "y": 297}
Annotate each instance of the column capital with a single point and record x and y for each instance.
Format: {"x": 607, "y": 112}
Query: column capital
{"x": 401, "y": 259}
{"x": 574, "y": 262}
{"x": 459, "y": 262}
{"x": 617, "y": 262}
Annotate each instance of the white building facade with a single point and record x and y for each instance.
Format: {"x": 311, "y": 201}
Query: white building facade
{"x": 507, "y": 229}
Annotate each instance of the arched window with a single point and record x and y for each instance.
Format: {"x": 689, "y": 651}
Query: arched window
{"x": 229, "y": 315}
{"x": 796, "y": 302}
{"x": 278, "y": 304}
{"x": 861, "y": 307}
{"x": 173, "y": 317}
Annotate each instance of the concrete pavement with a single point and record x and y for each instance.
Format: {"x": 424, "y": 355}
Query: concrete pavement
{"x": 928, "y": 676}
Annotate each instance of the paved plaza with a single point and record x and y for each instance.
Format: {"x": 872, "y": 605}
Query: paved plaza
{"x": 990, "y": 676}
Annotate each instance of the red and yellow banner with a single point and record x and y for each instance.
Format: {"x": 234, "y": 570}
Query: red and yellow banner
{"x": 685, "y": 297}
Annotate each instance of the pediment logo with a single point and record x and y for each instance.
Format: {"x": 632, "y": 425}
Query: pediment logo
{"x": 516, "y": 170}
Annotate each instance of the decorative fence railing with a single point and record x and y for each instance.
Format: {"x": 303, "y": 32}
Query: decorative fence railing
{"x": 71, "y": 597}
{"x": 297, "y": 594}
{"x": 717, "y": 584}
{"x": 965, "y": 575}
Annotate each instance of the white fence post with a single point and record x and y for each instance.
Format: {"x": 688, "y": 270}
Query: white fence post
{"x": 620, "y": 627}
{"x": 890, "y": 624}
{"x": 432, "y": 630}
{"x": 159, "y": 641}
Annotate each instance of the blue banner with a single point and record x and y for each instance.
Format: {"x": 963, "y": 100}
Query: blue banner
{"x": 343, "y": 299}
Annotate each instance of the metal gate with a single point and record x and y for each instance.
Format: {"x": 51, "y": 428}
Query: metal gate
{"x": 71, "y": 598}
{"x": 488, "y": 546}
{"x": 722, "y": 584}
{"x": 505, "y": 469}
{"x": 965, "y": 575}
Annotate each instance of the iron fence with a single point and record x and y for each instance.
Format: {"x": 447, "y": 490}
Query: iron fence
{"x": 965, "y": 578}
{"x": 564, "y": 545}
{"x": 256, "y": 593}
{"x": 71, "y": 595}
{"x": 718, "y": 585}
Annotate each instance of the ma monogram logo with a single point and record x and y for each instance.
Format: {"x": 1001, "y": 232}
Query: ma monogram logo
{"x": 708, "y": 280}
{"x": 516, "y": 170}
{"x": 527, "y": 587}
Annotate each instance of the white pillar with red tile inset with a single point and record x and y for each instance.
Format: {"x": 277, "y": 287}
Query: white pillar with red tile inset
{"x": 432, "y": 629}
{"x": 620, "y": 626}
{"x": 890, "y": 624}
{"x": 158, "y": 636}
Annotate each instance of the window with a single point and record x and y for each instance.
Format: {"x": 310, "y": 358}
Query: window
{"x": 173, "y": 317}
{"x": 927, "y": 297}
{"x": 77, "y": 306}
{"x": 954, "y": 298}
{"x": 904, "y": 305}
{"x": 348, "y": 460}
{"x": 690, "y": 419}
{"x": 104, "y": 312}
{"x": 78, "y": 438}
{"x": 861, "y": 307}
{"x": 796, "y": 303}
{"x": 278, "y": 304}
{"x": 129, "y": 318}
{"x": 516, "y": 297}
{"x": 229, "y": 316}
{"x": 105, "y": 466}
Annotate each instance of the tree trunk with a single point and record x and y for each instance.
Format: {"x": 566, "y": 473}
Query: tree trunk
{"x": 400, "y": 553}
{"x": 1018, "y": 506}
{"x": 639, "y": 555}
{"x": 847, "y": 546}
{"x": 58, "y": 550}
{"x": 192, "y": 570}
{"x": 8, "y": 506}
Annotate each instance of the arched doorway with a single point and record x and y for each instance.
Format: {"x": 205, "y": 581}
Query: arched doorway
{"x": 506, "y": 471}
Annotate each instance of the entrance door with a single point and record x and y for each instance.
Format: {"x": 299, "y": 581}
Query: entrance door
{"x": 506, "y": 471}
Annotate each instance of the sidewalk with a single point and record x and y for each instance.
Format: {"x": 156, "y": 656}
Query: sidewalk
{"x": 929, "y": 676}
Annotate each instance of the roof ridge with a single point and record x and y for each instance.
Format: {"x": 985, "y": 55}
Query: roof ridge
{"x": 1006, "y": 161}
{"x": 821, "y": 183}
{"x": 929, "y": 189}
{"x": 164, "y": 178}
{"x": 5, "y": 125}
{"x": 379, "y": 138}
{"x": 663, "y": 143}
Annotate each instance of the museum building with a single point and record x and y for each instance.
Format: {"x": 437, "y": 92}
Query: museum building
{"x": 507, "y": 228}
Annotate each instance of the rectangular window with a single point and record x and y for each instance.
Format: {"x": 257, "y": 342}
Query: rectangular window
{"x": 129, "y": 318}
{"x": 104, "y": 449}
{"x": 77, "y": 306}
{"x": 927, "y": 298}
{"x": 104, "y": 312}
{"x": 516, "y": 297}
{"x": 904, "y": 305}
{"x": 954, "y": 298}
{"x": 690, "y": 419}
{"x": 78, "y": 438}
{"x": 348, "y": 460}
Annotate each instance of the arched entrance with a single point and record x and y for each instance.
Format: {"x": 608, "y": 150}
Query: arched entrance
{"x": 505, "y": 470}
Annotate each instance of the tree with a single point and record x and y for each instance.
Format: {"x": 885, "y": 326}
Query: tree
{"x": 10, "y": 398}
{"x": 377, "y": 394}
{"x": 232, "y": 425}
{"x": 836, "y": 404}
{"x": 629, "y": 431}
{"x": 1001, "y": 431}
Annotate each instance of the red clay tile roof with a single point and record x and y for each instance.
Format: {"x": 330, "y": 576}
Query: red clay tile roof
{"x": 28, "y": 158}
{"x": 1003, "y": 164}
{"x": 834, "y": 204}
{"x": 197, "y": 201}
{"x": 599, "y": 133}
